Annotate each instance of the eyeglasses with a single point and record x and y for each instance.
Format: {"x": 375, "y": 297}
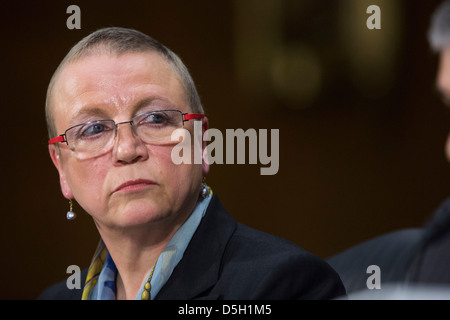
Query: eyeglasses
{"x": 96, "y": 137}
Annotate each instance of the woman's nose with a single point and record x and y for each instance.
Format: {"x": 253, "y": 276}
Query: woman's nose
{"x": 128, "y": 147}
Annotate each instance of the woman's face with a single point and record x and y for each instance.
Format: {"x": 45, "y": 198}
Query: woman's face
{"x": 134, "y": 183}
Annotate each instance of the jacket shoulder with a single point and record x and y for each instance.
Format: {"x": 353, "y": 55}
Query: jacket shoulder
{"x": 60, "y": 291}
{"x": 279, "y": 268}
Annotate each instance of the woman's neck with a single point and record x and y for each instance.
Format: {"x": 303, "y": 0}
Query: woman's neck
{"x": 135, "y": 252}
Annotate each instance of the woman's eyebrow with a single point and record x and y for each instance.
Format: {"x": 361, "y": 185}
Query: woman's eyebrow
{"x": 84, "y": 114}
{"x": 87, "y": 112}
{"x": 156, "y": 101}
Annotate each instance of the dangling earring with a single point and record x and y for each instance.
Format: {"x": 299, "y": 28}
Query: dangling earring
{"x": 70, "y": 214}
{"x": 204, "y": 190}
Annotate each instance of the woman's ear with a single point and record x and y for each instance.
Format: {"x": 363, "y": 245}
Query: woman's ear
{"x": 205, "y": 164}
{"x": 56, "y": 158}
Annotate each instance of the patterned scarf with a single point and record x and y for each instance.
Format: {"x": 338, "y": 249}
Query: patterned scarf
{"x": 94, "y": 269}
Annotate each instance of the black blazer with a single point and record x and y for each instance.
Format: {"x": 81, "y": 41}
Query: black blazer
{"x": 413, "y": 257}
{"x": 392, "y": 253}
{"x": 227, "y": 260}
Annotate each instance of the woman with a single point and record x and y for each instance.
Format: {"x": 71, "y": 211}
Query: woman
{"x": 112, "y": 106}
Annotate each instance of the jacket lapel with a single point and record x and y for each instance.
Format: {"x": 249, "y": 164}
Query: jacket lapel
{"x": 199, "y": 268}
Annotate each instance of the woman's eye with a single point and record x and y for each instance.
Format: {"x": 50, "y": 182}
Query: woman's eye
{"x": 92, "y": 130}
{"x": 155, "y": 118}
{"x": 158, "y": 119}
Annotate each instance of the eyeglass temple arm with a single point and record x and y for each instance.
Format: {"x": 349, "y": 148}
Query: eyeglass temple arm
{"x": 57, "y": 139}
{"x": 189, "y": 116}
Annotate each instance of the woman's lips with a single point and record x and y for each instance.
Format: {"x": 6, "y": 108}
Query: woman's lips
{"x": 134, "y": 185}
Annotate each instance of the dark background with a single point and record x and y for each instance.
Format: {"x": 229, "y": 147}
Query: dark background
{"x": 362, "y": 128}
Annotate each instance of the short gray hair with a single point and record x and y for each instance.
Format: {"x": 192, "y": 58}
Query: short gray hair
{"x": 117, "y": 41}
{"x": 439, "y": 32}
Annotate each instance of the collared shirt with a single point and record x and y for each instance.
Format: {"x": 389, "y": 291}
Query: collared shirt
{"x": 105, "y": 288}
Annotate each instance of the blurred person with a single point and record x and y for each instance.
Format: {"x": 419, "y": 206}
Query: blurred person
{"x": 112, "y": 105}
{"x": 416, "y": 259}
